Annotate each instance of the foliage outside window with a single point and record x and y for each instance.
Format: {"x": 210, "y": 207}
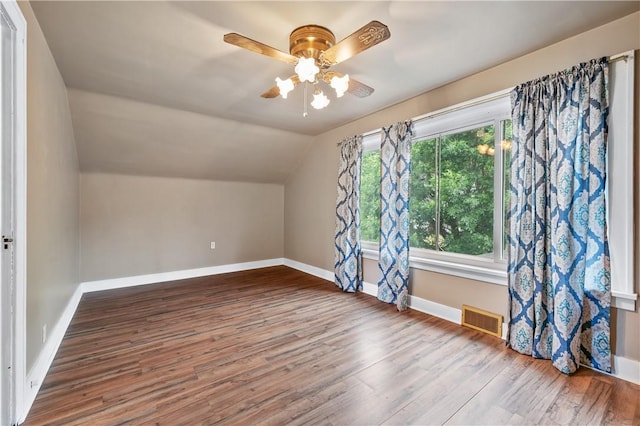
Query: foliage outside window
{"x": 459, "y": 187}
{"x": 370, "y": 196}
{"x": 451, "y": 207}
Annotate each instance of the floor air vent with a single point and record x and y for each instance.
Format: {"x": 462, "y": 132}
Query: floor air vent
{"x": 481, "y": 320}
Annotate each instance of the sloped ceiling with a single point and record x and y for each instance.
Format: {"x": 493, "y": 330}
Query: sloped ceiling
{"x": 153, "y": 89}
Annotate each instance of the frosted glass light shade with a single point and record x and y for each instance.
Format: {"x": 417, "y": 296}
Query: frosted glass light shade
{"x": 340, "y": 84}
{"x": 307, "y": 69}
{"x": 319, "y": 100}
{"x": 285, "y": 86}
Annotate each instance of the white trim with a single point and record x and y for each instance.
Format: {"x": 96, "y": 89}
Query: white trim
{"x": 370, "y": 289}
{"x": 48, "y": 352}
{"x": 110, "y": 284}
{"x": 621, "y": 368}
{"x": 20, "y": 232}
{"x": 620, "y": 176}
{"x": 435, "y": 309}
{"x": 478, "y": 273}
{"x": 493, "y": 99}
{"x": 491, "y": 275}
{"x": 623, "y": 300}
{"x": 422, "y": 305}
{"x": 504, "y": 93}
{"x": 626, "y": 369}
{"x": 465, "y": 116}
{"x": 312, "y": 270}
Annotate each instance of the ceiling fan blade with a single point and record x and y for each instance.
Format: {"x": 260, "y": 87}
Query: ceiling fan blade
{"x": 271, "y": 93}
{"x": 274, "y": 92}
{"x": 371, "y": 34}
{"x": 255, "y": 46}
{"x": 359, "y": 89}
{"x": 356, "y": 88}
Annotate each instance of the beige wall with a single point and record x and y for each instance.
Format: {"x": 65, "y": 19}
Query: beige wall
{"x": 52, "y": 191}
{"x": 132, "y": 225}
{"x": 310, "y": 192}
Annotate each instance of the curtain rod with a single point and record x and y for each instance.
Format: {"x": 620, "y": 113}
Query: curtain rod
{"x": 619, "y": 57}
{"x": 498, "y": 95}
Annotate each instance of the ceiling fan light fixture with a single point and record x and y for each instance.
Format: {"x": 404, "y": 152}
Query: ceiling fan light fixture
{"x": 285, "y": 86}
{"x": 340, "y": 84}
{"x": 320, "y": 100}
{"x": 307, "y": 69}
{"x": 313, "y": 51}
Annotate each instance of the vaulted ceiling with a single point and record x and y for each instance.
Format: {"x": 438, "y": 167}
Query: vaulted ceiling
{"x": 154, "y": 90}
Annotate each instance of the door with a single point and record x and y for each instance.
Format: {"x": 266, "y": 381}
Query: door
{"x": 7, "y": 221}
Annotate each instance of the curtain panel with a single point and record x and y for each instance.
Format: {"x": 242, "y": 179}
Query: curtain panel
{"x": 558, "y": 272}
{"x": 395, "y": 178}
{"x": 348, "y": 253}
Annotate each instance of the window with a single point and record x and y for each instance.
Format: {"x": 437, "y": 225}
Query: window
{"x": 453, "y": 191}
{"x": 460, "y": 187}
{"x": 620, "y": 177}
{"x": 457, "y": 206}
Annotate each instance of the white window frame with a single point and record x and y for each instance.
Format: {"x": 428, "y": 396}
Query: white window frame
{"x": 489, "y": 109}
{"x": 620, "y": 201}
{"x": 620, "y": 175}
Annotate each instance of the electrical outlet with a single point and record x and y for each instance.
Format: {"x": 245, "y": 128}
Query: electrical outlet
{"x": 44, "y": 333}
{"x": 213, "y": 245}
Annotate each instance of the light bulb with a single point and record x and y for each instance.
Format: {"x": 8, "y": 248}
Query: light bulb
{"x": 285, "y": 86}
{"x": 340, "y": 84}
{"x": 307, "y": 69}
{"x": 319, "y": 100}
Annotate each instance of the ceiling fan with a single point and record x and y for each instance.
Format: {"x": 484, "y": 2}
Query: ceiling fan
{"x": 313, "y": 50}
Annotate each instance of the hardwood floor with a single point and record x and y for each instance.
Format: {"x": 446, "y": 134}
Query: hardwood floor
{"x": 276, "y": 346}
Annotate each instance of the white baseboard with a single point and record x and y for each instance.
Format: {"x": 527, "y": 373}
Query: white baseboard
{"x": 422, "y": 305}
{"x": 136, "y": 280}
{"x": 435, "y": 309}
{"x": 626, "y": 369}
{"x": 370, "y": 289}
{"x": 37, "y": 373}
{"x": 312, "y": 270}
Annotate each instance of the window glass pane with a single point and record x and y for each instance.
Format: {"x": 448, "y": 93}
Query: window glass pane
{"x": 423, "y": 201}
{"x": 370, "y": 196}
{"x": 507, "y": 138}
{"x": 466, "y": 192}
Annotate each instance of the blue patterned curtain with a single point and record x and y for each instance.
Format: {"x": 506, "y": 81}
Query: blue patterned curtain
{"x": 348, "y": 254}
{"x": 395, "y": 175}
{"x": 559, "y": 276}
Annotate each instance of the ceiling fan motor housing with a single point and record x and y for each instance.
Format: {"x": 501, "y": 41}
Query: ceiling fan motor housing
{"x": 310, "y": 40}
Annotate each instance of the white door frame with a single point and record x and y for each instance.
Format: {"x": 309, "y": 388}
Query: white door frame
{"x": 14, "y": 309}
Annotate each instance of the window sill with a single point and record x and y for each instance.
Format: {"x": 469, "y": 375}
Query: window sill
{"x": 497, "y": 276}
{"x": 624, "y": 301}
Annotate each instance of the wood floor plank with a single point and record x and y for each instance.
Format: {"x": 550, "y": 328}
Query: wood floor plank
{"x": 276, "y": 346}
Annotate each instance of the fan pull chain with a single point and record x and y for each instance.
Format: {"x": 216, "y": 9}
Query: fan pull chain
{"x": 304, "y": 111}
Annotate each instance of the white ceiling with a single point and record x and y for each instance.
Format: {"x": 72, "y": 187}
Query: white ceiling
{"x": 155, "y": 91}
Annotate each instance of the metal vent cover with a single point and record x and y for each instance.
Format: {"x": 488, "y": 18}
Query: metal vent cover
{"x": 482, "y": 320}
